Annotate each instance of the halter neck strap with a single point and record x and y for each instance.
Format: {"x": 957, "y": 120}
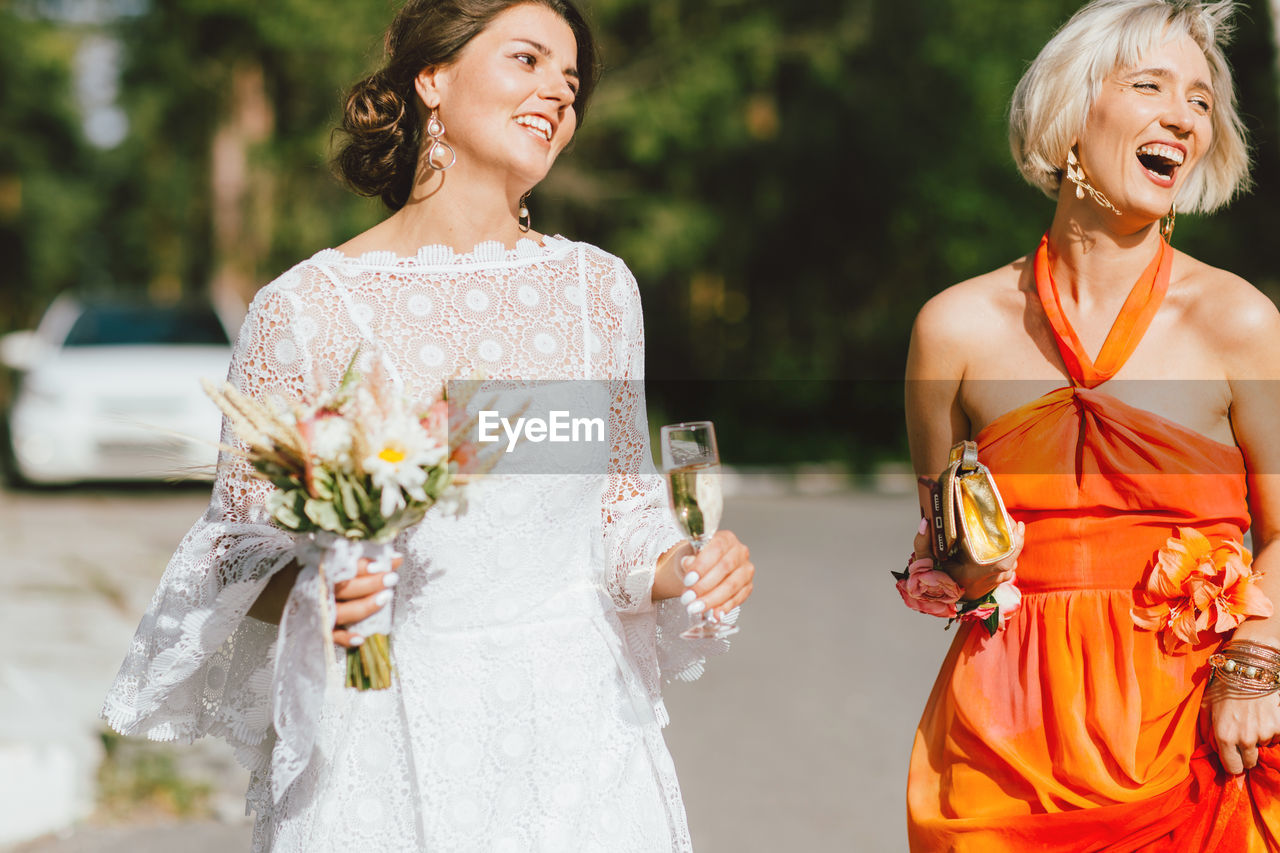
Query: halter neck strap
{"x": 1135, "y": 317}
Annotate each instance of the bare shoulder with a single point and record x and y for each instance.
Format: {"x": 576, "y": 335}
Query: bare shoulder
{"x": 990, "y": 296}
{"x": 378, "y": 238}
{"x": 1235, "y": 318}
{"x": 994, "y": 302}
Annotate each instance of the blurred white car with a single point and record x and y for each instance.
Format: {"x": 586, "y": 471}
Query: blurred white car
{"x": 111, "y": 391}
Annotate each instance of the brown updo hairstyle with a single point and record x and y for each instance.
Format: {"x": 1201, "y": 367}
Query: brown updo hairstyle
{"x": 383, "y": 119}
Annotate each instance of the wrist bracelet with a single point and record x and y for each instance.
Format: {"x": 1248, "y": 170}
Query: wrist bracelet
{"x": 1247, "y": 668}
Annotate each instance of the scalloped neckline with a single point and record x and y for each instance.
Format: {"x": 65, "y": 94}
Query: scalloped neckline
{"x": 438, "y": 254}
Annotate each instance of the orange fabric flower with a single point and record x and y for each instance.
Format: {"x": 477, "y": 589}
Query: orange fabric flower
{"x": 1197, "y": 586}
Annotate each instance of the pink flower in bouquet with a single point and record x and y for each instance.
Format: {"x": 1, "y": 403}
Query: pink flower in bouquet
{"x": 981, "y": 613}
{"x": 915, "y": 567}
{"x": 1004, "y": 599}
{"x": 1008, "y": 597}
{"x": 436, "y": 421}
{"x": 465, "y": 456}
{"x": 1197, "y": 586}
{"x": 307, "y": 431}
{"x": 327, "y": 439}
{"x": 928, "y": 590}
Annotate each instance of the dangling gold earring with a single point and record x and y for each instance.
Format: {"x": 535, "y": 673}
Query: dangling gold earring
{"x": 524, "y": 221}
{"x": 1166, "y": 224}
{"x": 438, "y": 147}
{"x": 1075, "y": 174}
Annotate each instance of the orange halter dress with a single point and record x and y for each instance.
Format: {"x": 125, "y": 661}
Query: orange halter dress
{"x": 1072, "y": 729}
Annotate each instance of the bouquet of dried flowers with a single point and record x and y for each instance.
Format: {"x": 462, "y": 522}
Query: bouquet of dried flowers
{"x": 356, "y": 465}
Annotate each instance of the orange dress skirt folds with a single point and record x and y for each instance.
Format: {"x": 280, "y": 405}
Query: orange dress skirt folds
{"x": 1074, "y": 729}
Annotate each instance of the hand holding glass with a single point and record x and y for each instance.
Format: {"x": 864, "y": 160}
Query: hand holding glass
{"x": 691, "y": 463}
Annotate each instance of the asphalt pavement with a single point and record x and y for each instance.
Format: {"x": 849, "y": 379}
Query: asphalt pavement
{"x": 798, "y": 739}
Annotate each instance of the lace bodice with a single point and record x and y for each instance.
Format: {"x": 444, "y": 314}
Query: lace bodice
{"x": 532, "y": 552}
{"x": 560, "y": 310}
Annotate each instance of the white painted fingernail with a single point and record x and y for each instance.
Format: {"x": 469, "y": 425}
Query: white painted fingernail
{"x": 691, "y": 578}
{"x": 697, "y": 607}
{"x": 689, "y": 595}
{"x": 383, "y": 598}
{"x": 390, "y": 579}
{"x": 685, "y": 561}
{"x": 356, "y": 641}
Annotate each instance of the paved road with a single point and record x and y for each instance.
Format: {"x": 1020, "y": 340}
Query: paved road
{"x": 796, "y": 740}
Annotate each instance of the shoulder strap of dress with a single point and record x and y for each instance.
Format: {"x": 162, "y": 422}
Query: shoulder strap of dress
{"x": 1126, "y": 333}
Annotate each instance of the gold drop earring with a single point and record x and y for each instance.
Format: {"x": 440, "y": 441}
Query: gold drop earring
{"x": 1075, "y": 174}
{"x": 1166, "y": 224}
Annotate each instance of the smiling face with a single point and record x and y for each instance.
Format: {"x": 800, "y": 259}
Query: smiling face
{"x": 1148, "y": 128}
{"x": 507, "y": 102}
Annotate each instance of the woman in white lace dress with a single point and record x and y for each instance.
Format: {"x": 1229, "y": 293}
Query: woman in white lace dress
{"x": 533, "y": 631}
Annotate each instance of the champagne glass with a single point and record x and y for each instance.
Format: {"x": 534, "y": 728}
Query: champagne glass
{"x": 691, "y": 464}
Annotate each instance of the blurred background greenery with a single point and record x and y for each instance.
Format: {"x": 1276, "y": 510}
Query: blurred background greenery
{"x": 788, "y": 181}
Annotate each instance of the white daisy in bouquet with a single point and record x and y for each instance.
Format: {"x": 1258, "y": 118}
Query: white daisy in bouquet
{"x": 402, "y": 454}
{"x": 353, "y": 468}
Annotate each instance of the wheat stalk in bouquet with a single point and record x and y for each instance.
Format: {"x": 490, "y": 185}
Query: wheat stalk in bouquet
{"x": 356, "y": 463}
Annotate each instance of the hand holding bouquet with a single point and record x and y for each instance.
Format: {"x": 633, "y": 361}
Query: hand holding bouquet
{"x": 353, "y": 468}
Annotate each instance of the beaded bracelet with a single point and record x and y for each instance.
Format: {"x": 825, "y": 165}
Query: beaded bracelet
{"x": 1247, "y": 668}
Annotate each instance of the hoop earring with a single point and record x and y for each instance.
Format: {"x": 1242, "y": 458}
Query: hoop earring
{"x": 1075, "y": 174}
{"x": 435, "y": 130}
{"x": 524, "y": 221}
{"x": 1166, "y": 224}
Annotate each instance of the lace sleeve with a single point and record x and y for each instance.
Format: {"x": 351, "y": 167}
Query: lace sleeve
{"x": 637, "y": 523}
{"x": 197, "y": 664}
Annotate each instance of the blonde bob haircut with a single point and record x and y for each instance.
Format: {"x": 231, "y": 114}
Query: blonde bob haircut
{"x": 1050, "y": 106}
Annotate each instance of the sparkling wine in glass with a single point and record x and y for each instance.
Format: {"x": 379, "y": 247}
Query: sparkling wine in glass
{"x": 691, "y": 463}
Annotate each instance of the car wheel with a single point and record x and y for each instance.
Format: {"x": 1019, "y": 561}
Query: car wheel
{"x": 10, "y": 471}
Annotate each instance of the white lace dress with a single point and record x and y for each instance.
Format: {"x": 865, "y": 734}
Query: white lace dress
{"x": 527, "y": 713}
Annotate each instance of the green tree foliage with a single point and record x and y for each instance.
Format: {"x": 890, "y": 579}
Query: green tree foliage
{"x": 790, "y": 182}
{"x": 180, "y": 85}
{"x": 46, "y": 204}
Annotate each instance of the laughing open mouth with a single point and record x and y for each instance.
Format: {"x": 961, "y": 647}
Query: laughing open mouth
{"x": 1162, "y": 161}
{"x": 537, "y": 124}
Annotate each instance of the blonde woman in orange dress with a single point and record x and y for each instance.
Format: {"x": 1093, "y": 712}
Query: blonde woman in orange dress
{"x": 1122, "y": 394}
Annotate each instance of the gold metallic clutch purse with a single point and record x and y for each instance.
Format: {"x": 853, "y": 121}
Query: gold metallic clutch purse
{"x": 968, "y": 512}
